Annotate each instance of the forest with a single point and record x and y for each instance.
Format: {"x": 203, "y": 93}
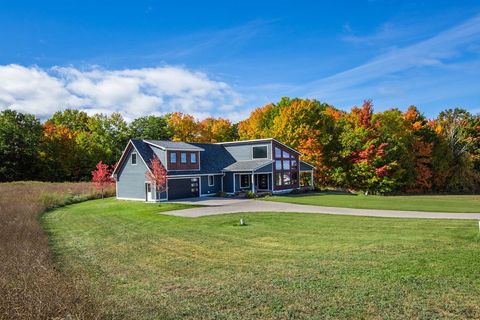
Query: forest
{"x": 391, "y": 151}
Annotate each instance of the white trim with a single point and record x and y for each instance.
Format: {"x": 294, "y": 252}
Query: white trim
{"x": 130, "y": 141}
{"x": 208, "y": 180}
{"x": 207, "y": 195}
{"x": 174, "y": 149}
{"x": 131, "y": 159}
{"x": 283, "y": 191}
{"x": 143, "y": 200}
{"x": 258, "y": 146}
{"x": 192, "y": 175}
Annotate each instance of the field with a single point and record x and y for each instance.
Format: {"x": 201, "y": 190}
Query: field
{"x": 31, "y": 286}
{"x": 437, "y": 203}
{"x": 144, "y": 265}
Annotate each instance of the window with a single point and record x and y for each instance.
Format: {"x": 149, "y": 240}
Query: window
{"x": 294, "y": 164}
{"x": 173, "y": 157}
{"x": 286, "y": 164}
{"x": 278, "y": 153}
{"x": 193, "y": 157}
{"x": 285, "y": 155}
{"x": 244, "y": 181}
{"x": 211, "y": 181}
{"x": 278, "y": 164}
{"x": 183, "y": 157}
{"x": 259, "y": 152}
{"x": 286, "y": 178}
{"x": 134, "y": 158}
{"x": 278, "y": 179}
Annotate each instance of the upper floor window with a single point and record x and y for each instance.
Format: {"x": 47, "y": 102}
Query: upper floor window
{"x": 278, "y": 153}
{"x": 260, "y": 152}
{"x": 285, "y": 155}
{"x": 173, "y": 157}
{"x": 193, "y": 157}
{"x": 134, "y": 158}
{"x": 183, "y": 157}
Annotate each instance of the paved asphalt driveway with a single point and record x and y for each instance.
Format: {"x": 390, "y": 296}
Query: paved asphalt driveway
{"x": 212, "y": 206}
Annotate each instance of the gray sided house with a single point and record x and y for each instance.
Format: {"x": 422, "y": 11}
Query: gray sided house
{"x": 204, "y": 169}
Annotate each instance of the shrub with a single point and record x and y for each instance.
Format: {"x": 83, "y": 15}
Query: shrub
{"x": 250, "y": 195}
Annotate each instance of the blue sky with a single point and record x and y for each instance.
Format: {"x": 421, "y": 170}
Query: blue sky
{"x": 224, "y": 59}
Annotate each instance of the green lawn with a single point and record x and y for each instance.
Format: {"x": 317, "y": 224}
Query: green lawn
{"x": 145, "y": 265}
{"x": 440, "y": 203}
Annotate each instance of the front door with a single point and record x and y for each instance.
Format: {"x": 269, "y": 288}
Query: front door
{"x": 262, "y": 182}
{"x": 148, "y": 192}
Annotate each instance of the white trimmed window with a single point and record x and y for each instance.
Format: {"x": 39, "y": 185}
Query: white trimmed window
{"x": 134, "y": 158}
{"x": 260, "y": 152}
{"x": 173, "y": 157}
{"x": 183, "y": 157}
{"x": 211, "y": 181}
{"x": 193, "y": 157}
{"x": 244, "y": 181}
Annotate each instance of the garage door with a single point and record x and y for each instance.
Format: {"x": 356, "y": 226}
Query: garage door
{"x": 183, "y": 188}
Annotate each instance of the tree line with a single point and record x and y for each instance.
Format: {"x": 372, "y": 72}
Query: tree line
{"x": 377, "y": 152}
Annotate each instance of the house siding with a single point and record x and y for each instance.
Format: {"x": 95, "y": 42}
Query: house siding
{"x": 244, "y": 151}
{"x": 131, "y": 178}
{"x": 228, "y": 182}
{"x": 265, "y": 169}
{"x": 206, "y": 189}
{"x": 178, "y": 165}
{"x": 161, "y": 154}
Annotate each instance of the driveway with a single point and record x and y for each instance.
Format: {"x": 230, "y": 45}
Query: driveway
{"x": 213, "y": 205}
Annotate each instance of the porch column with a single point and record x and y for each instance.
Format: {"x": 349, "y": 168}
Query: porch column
{"x": 253, "y": 182}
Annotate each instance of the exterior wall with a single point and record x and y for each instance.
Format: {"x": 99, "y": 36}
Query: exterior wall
{"x": 161, "y": 154}
{"x": 228, "y": 182}
{"x": 183, "y": 166}
{"x": 206, "y": 189}
{"x": 131, "y": 178}
{"x": 291, "y": 171}
{"x": 243, "y": 152}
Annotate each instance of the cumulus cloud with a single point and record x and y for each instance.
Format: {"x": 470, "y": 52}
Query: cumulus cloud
{"x": 132, "y": 92}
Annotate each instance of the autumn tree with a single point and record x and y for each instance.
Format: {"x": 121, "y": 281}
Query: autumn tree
{"x": 183, "y": 127}
{"x": 215, "y": 130}
{"x": 102, "y": 177}
{"x": 157, "y": 175}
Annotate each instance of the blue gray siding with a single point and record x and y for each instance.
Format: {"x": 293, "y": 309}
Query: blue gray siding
{"x": 211, "y": 189}
{"x": 161, "y": 154}
{"x": 244, "y": 152}
{"x": 131, "y": 178}
{"x": 228, "y": 182}
{"x": 305, "y": 167}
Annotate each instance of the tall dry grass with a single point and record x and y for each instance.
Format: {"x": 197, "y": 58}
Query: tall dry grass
{"x": 31, "y": 286}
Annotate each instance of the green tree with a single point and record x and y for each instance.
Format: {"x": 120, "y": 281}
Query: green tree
{"x": 20, "y": 136}
{"x": 72, "y": 119}
{"x": 150, "y": 127}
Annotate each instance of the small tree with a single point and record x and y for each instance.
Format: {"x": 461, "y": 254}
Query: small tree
{"x": 157, "y": 175}
{"x": 102, "y": 177}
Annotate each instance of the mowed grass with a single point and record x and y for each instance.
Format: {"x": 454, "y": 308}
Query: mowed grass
{"x": 145, "y": 265}
{"x": 437, "y": 203}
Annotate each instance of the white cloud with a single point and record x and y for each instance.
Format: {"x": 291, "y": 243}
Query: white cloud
{"x": 132, "y": 92}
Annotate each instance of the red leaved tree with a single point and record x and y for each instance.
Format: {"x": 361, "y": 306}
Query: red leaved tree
{"x": 157, "y": 175}
{"x": 102, "y": 177}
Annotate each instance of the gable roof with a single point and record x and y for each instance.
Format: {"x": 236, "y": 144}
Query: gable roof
{"x": 143, "y": 150}
{"x": 174, "y": 145}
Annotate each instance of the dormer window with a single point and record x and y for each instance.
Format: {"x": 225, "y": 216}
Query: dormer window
{"x": 260, "y": 152}
{"x": 183, "y": 157}
{"x": 173, "y": 157}
{"x": 134, "y": 158}
{"x": 193, "y": 157}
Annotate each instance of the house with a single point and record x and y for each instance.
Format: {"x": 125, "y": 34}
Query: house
{"x": 203, "y": 169}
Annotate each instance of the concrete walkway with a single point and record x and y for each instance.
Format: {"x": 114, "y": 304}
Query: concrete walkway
{"x": 213, "y": 206}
